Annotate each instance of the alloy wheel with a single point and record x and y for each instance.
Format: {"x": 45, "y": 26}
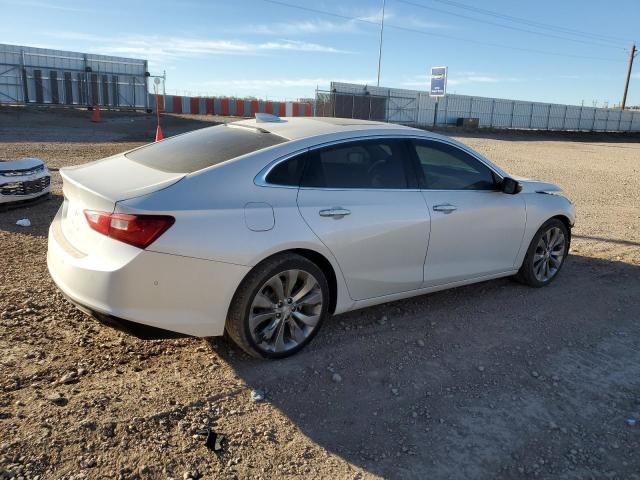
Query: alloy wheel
{"x": 549, "y": 253}
{"x": 285, "y": 311}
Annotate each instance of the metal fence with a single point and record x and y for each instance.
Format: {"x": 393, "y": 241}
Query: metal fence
{"x": 368, "y": 107}
{"x": 412, "y": 107}
{"x": 38, "y": 76}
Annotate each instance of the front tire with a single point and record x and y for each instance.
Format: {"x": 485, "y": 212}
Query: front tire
{"x": 279, "y": 307}
{"x": 546, "y": 254}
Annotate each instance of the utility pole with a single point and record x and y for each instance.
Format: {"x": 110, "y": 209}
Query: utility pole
{"x": 626, "y": 84}
{"x": 380, "y": 49}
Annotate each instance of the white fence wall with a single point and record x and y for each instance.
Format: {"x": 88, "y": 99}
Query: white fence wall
{"x": 415, "y": 107}
{"x": 40, "y": 76}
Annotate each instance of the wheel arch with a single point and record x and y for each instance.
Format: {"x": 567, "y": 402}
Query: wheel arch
{"x": 318, "y": 259}
{"x": 525, "y": 274}
{"x": 567, "y": 223}
{"x": 535, "y": 221}
{"x": 325, "y": 265}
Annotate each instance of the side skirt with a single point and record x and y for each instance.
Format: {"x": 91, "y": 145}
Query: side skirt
{"x": 421, "y": 291}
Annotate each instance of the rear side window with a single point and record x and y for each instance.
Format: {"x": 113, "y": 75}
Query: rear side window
{"x": 203, "y": 148}
{"x": 287, "y": 172}
{"x": 446, "y": 167}
{"x": 361, "y": 164}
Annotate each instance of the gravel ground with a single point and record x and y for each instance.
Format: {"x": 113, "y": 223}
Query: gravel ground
{"x": 494, "y": 380}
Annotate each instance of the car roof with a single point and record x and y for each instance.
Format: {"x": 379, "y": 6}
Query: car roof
{"x": 301, "y": 128}
{"x": 295, "y": 128}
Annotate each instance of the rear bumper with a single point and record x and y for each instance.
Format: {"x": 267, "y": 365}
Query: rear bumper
{"x": 141, "y": 291}
{"x": 144, "y": 332}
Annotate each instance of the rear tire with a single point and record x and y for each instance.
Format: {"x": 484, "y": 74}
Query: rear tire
{"x": 546, "y": 254}
{"x": 279, "y": 307}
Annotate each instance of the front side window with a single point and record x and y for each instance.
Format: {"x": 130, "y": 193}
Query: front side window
{"x": 367, "y": 164}
{"x": 446, "y": 167}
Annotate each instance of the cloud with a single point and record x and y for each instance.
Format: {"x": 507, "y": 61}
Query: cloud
{"x": 302, "y": 28}
{"x": 260, "y": 83}
{"x": 478, "y": 79}
{"x": 459, "y": 79}
{"x": 376, "y": 17}
{"x": 356, "y": 25}
{"x": 169, "y": 49}
{"x": 424, "y": 25}
{"x": 295, "y": 45}
{"x": 306, "y": 27}
{"x": 49, "y": 5}
{"x": 282, "y": 88}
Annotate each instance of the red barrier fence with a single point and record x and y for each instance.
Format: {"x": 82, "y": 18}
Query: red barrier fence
{"x": 239, "y": 107}
{"x": 177, "y": 104}
{"x": 194, "y": 104}
{"x": 159, "y": 101}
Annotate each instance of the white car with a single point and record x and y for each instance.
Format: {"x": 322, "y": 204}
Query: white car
{"x": 265, "y": 227}
{"x": 23, "y": 180}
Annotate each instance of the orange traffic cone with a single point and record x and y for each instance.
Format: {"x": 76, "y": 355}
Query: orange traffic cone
{"x": 159, "y": 135}
{"x": 95, "y": 116}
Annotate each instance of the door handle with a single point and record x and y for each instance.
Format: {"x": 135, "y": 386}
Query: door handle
{"x": 445, "y": 208}
{"x": 335, "y": 212}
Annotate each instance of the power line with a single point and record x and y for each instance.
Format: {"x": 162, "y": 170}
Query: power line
{"x": 322, "y": 12}
{"x": 510, "y": 27}
{"x": 525, "y": 21}
{"x": 435, "y": 34}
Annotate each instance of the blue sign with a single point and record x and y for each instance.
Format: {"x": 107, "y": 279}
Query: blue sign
{"x": 438, "y": 81}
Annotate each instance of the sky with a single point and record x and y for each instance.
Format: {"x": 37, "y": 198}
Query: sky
{"x": 564, "y": 51}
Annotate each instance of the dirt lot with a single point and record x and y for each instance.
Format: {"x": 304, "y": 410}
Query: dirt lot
{"x": 491, "y": 381}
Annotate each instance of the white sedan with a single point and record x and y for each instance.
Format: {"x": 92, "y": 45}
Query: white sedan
{"x": 22, "y": 181}
{"x": 265, "y": 227}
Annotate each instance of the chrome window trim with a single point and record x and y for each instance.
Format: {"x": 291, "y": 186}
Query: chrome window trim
{"x": 261, "y": 179}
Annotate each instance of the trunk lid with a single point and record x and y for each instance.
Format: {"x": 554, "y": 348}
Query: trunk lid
{"x": 99, "y": 186}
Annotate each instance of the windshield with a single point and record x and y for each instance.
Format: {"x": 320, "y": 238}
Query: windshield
{"x": 203, "y": 148}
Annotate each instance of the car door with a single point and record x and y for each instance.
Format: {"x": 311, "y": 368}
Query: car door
{"x": 476, "y": 229}
{"x": 361, "y": 200}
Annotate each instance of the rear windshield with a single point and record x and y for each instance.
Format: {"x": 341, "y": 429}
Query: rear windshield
{"x": 203, "y": 148}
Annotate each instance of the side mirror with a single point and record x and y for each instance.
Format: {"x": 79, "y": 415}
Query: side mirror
{"x": 510, "y": 186}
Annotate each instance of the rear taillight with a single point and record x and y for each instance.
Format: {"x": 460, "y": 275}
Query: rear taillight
{"x": 137, "y": 230}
